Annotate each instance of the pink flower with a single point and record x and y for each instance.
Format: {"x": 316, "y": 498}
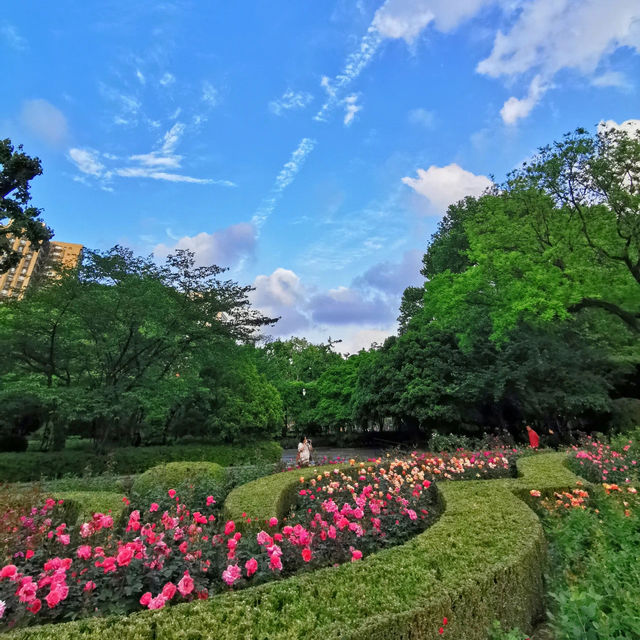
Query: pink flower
{"x": 154, "y": 507}
{"x": 534, "y": 493}
{"x": 29, "y": 554}
{"x": 275, "y": 564}
{"x": 210, "y": 501}
{"x": 169, "y": 590}
{"x": 171, "y": 492}
{"x": 273, "y": 522}
{"x": 355, "y": 554}
{"x": 84, "y": 552}
{"x": 27, "y": 591}
{"x": 412, "y": 514}
{"x": 34, "y": 607}
{"x": 251, "y": 566}
{"x": 229, "y": 528}
{"x": 64, "y": 539}
{"x": 146, "y": 598}
{"x": 231, "y": 574}
{"x": 89, "y": 585}
{"x": 3, "y": 606}
{"x": 264, "y": 538}
{"x": 9, "y": 571}
{"x": 306, "y": 555}
{"x": 53, "y": 598}
{"x": 185, "y": 586}
{"x": 158, "y": 602}
{"x": 124, "y": 557}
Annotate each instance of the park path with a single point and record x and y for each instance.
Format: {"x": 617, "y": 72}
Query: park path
{"x": 321, "y": 454}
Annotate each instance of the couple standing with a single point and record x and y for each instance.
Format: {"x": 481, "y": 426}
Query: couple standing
{"x": 304, "y": 452}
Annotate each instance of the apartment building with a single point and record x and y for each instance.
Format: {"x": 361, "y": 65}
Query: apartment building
{"x": 37, "y": 263}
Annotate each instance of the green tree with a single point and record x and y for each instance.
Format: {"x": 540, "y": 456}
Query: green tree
{"x": 17, "y": 218}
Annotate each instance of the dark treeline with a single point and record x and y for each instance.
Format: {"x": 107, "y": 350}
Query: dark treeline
{"x": 530, "y": 313}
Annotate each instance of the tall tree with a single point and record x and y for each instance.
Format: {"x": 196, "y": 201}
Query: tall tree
{"x": 17, "y": 218}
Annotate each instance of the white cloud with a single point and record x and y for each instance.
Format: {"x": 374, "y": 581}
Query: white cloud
{"x": 350, "y": 108}
{"x": 422, "y": 117}
{"x": 443, "y": 186}
{"x": 516, "y": 108}
{"x": 167, "y": 79}
{"x": 44, "y": 121}
{"x": 612, "y": 79}
{"x": 210, "y": 95}
{"x": 283, "y": 180}
{"x": 281, "y": 288}
{"x": 550, "y": 35}
{"x": 631, "y": 127}
{"x": 406, "y": 19}
{"x": 13, "y": 38}
{"x": 225, "y": 247}
{"x": 150, "y": 165}
{"x": 87, "y": 161}
{"x": 290, "y": 100}
{"x": 140, "y": 76}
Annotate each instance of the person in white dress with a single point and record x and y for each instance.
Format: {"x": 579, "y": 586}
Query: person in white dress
{"x": 304, "y": 452}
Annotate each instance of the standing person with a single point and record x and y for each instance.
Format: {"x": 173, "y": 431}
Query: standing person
{"x": 534, "y": 438}
{"x": 304, "y": 452}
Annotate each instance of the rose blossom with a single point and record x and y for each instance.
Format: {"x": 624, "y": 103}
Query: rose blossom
{"x": 185, "y": 586}
{"x": 231, "y": 574}
{"x": 251, "y": 566}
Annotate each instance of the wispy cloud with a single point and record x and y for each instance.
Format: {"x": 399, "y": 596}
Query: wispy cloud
{"x": 152, "y": 165}
{"x": 45, "y": 121}
{"x": 350, "y": 108}
{"x": 283, "y": 180}
{"x": 210, "y": 95}
{"x": 140, "y": 76}
{"x": 354, "y": 65}
{"x": 13, "y": 38}
{"x": 167, "y": 79}
{"x": 290, "y": 101}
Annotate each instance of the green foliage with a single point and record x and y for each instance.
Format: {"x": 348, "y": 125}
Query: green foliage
{"x": 481, "y": 561}
{"x": 593, "y": 577}
{"x": 192, "y": 480}
{"x": 17, "y": 218}
{"x": 273, "y": 495}
{"x": 81, "y": 505}
{"x": 30, "y": 466}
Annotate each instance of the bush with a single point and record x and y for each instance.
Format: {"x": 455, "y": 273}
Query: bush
{"x": 13, "y": 442}
{"x": 29, "y": 466}
{"x": 193, "y": 481}
{"x": 483, "y": 560}
{"x": 81, "y": 505}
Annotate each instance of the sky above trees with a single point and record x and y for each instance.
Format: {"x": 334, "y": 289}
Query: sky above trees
{"x": 311, "y": 147}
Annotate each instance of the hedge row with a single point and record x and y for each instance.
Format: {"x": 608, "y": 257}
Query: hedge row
{"x": 29, "y": 466}
{"x": 81, "y": 505}
{"x": 482, "y": 560}
{"x": 269, "y": 496}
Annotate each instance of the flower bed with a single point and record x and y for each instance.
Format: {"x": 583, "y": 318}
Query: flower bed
{"x": 170, "y": 552}
{"x": 482, "y": 560}
{"x": 599, "y": 462}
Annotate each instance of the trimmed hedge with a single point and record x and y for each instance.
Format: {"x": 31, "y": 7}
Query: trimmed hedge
{"x": 482, "y": 560}
{"x": 270, "y": 496}
{"x": 170, "y": 475}
{"x": 29, "y": 466}
{"x": 81, "y": 505}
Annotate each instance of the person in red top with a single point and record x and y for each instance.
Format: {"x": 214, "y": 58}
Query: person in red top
{"x": 534, "y": 439}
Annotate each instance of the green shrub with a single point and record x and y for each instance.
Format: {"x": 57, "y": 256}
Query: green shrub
{"x": 193, "y": 481}
{"x": 270, "y": 496}
{"x": 482, "y": 561}
{"x": 81, "y": 505}
{"x": 31, "y": 465}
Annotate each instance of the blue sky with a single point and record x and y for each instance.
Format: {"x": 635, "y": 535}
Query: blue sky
{"x": 310, "y": 146}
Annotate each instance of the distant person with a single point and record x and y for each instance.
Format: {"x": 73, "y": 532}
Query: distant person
{"x": 553, "y": 440}
{"x": 534, "y": 438}
{"x": 304, "y": 452}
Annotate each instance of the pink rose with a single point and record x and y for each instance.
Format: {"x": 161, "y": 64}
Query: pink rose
{"x": 172, "y": 493}
{"x": 306, "y": 555}
{"x": 273, "y": 522}
{"x": 169, "y": 590}
{"x": 251, "y": 566}
{"x": 9, "y": 571}
{"x": 231, "y": 574}
{"x": 146, "y": 598}
{"x": 124, "y": 557}
{"x": 89, "y": 585}
{"x": 185, "y": 586}
{"x": 84, "y": 552}
{"x": 154, "y": 507}
{"x": 229, "y": 528}
{"x": 355, "y": 555}
{"x": 210, "y": 501}
{"x": 158, "y": 602}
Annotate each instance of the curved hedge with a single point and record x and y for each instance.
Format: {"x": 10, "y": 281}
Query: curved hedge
{"x": 482, "y": 560}
{"x": 81, "y": 505}
{"x": 269, "y": 496}
{"x": 32, "y": 465}
{"x": 166, "y": 476}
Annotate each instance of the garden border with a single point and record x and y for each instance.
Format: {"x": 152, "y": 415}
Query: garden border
{"x": 482, "y": 560}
